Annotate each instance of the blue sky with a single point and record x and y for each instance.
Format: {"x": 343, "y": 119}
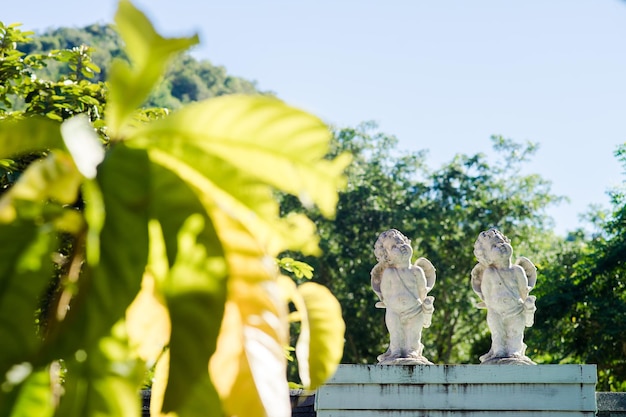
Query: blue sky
{"x": 439, "y": 75}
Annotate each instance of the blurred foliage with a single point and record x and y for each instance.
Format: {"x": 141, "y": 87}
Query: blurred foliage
{"x": 140, "y": 241}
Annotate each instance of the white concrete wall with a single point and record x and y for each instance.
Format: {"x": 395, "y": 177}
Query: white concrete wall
{"x": 459, "y": 390}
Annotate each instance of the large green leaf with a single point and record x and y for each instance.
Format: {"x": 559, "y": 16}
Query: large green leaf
{"x": 201, "y": 400}
{"x": 29, "y": 135}
{"x": 259, "y": 137}
{"x": 172, "y": 202}
{"x": 25, "y": 269}
{"x": 107, "y": 288}
{"x": 103, "y": 380}
{"x": 248, "y": 226}
{"x": 195, "y": 292}
{"x": 235, "y": 166}
{"x": 249, "y": 365}
{"x": 53, "y": 179}
{"x": 320, "y": 345}
{"x": 195, "y": 308}
{"x": 33, "y": 397}
{"x": 125, "y": 184}
{"x": 149, "y": 53}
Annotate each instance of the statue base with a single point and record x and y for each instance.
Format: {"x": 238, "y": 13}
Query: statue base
{"x": 406, "y": 361}
{"x": 513, "y": 360}
{"x": 459, "y": 390}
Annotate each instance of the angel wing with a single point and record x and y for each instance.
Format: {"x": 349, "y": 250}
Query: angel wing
{"x": 429, "y": 272}
{"x": 377, "y": 275}
{"x": 477, "y": 279}
{"x": 530, "y": 269}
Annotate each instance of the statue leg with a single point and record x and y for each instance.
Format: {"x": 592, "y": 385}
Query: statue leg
{"x": 396, "y": 334}
{"x": 413, "y": 330}
{"x": 498, "y": 334}
{"x": 515, "y": 335}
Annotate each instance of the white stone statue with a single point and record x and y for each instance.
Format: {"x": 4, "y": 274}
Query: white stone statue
{"x": 402, "y": 288}
{"x": 503, "y": 288}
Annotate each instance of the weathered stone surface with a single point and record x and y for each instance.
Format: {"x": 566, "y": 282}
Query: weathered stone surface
{"x": 403, "y": 289}
{"x": 503, "y": 288}
{"x": 459, "y": 390}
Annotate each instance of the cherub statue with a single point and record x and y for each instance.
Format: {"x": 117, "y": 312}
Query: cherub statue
{"x": 503, "y": 288}
{"x": 402, "y": 288}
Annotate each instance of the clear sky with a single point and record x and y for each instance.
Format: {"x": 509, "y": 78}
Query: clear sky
{"x": 440, "y": 75}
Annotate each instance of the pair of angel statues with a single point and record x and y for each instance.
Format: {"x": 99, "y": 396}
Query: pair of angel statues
{"x": 502, "y": 286}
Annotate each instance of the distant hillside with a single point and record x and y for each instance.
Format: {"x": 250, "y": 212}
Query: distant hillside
{"x": 186, "y": 80}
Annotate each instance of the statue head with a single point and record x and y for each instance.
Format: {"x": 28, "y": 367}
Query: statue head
{"x": 485, "y": 242}
{"x": 380, "y": 251}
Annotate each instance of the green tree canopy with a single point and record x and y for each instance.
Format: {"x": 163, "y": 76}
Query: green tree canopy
{"x": 186, "y": 80}
{"x": 442, "y": 211}
{"x": 582, "y": 312}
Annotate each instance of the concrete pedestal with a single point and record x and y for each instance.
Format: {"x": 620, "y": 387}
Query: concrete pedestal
{"x": 459, "y": 390}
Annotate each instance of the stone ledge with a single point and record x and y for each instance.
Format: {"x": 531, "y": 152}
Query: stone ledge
{"x": 459, "y": 390}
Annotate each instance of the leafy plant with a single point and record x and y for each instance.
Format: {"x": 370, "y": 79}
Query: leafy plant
{"x": 175, "y": 232}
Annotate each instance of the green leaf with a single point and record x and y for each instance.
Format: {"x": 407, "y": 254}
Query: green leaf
{"x": 320, "y": 347}
{"x": 260, "y": 137}
{"x": 125, "y": 186}
{"x": 249, "y": 365}
{"x": 149, "y": 53}
{"x": 172, "y": 202}
{"x": 53, "y": 178}
{"x": 33, "y": 397}
{"x": 94, "y": 215}
{"x": 103, "y": 380}
{"x": 108, "y": 288}
{"x": 29, "y": 135}
{"x": 248, "y": 225}
{"x": 298, "y": 268}
{"x": 195, "y": 292}
{"x": 233, "y": 150}
{"x": 25, "y": 268}
{"x": 201, "y": 400}
{"x": 193, "y": 311}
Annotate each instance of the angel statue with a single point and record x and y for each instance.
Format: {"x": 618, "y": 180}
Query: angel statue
{"x": 402, "y": 288}
{"x": 503, "y": 289}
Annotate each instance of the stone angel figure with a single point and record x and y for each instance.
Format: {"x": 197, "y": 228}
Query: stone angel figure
{"x": 503, "y": 288}
{"x": 402, "y": 289}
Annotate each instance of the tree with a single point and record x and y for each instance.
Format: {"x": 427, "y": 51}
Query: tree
{"x": 105, "y": 41}
{"x": 186, "y": 79}
{"x": 173, "y": 232}
{"x": 375, "y": 198}
{"x": 465, "y": 197}
{"x": 443, "y": 212}
{"x": 583, "y": 312}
